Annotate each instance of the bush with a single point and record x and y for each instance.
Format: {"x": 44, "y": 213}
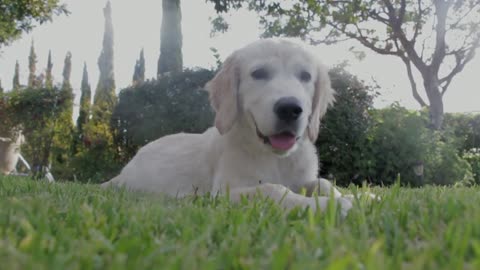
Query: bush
{"x": 464, "y": 127}
{"x": 473, "y": 158}
{"x": 342, "y": 142}
{"x": 34, "y": 111}
{"x": 358, "y": 143}
{"x": 400, "y": 141}
{"x": 172, "y": 104}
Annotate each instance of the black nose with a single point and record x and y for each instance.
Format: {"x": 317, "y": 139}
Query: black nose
{"x": 288, "y": 109}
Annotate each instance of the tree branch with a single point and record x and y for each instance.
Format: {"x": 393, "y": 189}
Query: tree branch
{"x": 462, "y": 57}
{"x": 413, "y": 85}
{"x": 396, "y": 24}
{"x": 417, "y": 26}
{"x": 401, "y": 13}
{"x": 463, "y": 16}
{"x": 441, "y": 8}
{"x": 365, "y": 42}
{"x": 379, "y": 18}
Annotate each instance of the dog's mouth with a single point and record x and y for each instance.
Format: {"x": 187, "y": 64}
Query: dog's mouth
{"x": 282, "y": 141}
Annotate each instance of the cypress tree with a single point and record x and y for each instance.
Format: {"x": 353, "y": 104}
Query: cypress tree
{"x": 48, "y": 75}
{"x": 16, "y": 77}
{"x": 63, "y": 126}
{"x": 170, "y": 60}
{"x": 85, "y": 101}
{"x": 32, "y": 66}
{"x": 67, "y": 87}
{"x": 67, "y": 71}
{"x": 139, "y": 73}
{"x": 105, "y": 97}
{"x": 1, "y": 88}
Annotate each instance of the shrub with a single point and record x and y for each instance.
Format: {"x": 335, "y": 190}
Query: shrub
{"x": 400, "y": 140}
{"x": 172, "y": 104}
{"x": 342, "y": 143}
{"x": 464, "y": 127}
{"x": 472, "y": 156}
{"x": 34, "y": 111}
{"x": 96, "y": 162}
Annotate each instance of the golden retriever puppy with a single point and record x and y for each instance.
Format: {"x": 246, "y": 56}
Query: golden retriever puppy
{"x": 269, "y": 98}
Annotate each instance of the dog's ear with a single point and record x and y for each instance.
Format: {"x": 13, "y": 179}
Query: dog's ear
{"x": 322, "y": 98}
{"x": 223, "y": 95}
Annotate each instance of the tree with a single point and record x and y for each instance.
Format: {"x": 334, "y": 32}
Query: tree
{"x": 170, "y": 60}
{"x": 85, "y": 102}
{"x": 1, "y": 88}
{"x": 62, "y": 147}
{"x": 21, "y": 16}
{"x": 67, "y": 71}
{"x": 139, "y": 72}
{"x": 436, "y": 38}
{"x": 98, "y": 151}
{"x": 105, "y": 97}
{"x": 48, "y": 75}
{"x": 16, "y": 77}
{"x": 32, "y": 67}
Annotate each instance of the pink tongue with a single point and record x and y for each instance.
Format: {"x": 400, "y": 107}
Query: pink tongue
{"x": 282, "y": 141}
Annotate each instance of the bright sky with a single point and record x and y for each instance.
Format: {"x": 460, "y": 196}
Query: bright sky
{"x": 137, "y": 25}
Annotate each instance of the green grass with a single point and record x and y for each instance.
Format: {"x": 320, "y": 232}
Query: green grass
{"x": 74, "y": 226}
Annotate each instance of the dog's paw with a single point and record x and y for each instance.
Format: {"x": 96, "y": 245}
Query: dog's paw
{"x": 367, "y": 195}
{"x": 345, "y": 205}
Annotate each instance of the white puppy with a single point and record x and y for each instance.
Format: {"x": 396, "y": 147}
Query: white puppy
{"x": 269, "y": 98}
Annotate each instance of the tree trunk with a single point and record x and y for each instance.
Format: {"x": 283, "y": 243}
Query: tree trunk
{"x": 170, "y": 60}
{"x": 436, "y": 102}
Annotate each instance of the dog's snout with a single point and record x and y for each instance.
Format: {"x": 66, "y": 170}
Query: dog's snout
{"x": 288, "y": 109}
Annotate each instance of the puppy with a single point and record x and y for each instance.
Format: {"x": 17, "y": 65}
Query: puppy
{"x": 269, "y": 97}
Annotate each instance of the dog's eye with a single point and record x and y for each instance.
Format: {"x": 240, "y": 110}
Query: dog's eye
{"x": 260, "y": 74}
{"x": 305, "y": 76}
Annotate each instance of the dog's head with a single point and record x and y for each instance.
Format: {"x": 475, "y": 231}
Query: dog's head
{"x": 278, "y": 87}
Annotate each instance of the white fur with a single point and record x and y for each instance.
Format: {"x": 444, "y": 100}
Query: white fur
{"x": 231, "y": 155}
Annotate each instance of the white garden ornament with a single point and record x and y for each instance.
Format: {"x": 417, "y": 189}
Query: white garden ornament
{"x": 10, "y": 153}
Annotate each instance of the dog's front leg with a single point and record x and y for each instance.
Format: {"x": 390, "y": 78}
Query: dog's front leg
{"x": 320, "y": 186}
{"x": 289, "y": 199}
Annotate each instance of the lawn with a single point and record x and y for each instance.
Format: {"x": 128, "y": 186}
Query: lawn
{"x": 78, "y": 226}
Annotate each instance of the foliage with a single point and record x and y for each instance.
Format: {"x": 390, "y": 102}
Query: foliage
{"x": 400, "y": 140}
{"x": 472, "y": 156}
{"x": 16, "y": 77}
{"x": 139, "y": 70}
{"x": 85, "y": 102}
{"x": 464, "y": 127}
{"x": 359, "y": 143}
{"x": 398, "y": 28}
{"x": 105, "y": 97}
{"x": 95, "y": 155}
{"x": 344, "y": 129}
{"x": 21, "y": 16}
{"x": 171, "y": 58}
{"x": 62, "y": 144}
{"x": 32, "y": 67}
{"x": 48, "y": 73}
{"x": 35, "y": 112}
{"x": 160, "y": 107}
{"x": 73, "y": 226}
{"x": 95, "y": 159}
